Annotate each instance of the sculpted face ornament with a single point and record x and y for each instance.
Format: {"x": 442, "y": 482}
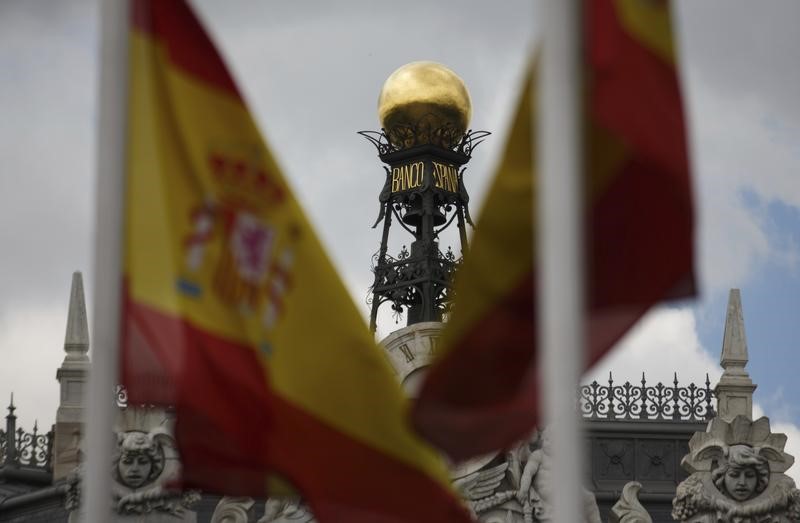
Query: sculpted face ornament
{"x": 144, "y": 465}
{"x": 140, "y": 460}
{"x": 134, "y": 470}
{"x": 737, "y": 476}
{"x": 744, "y": 474}
{"x": 740, "y": 483}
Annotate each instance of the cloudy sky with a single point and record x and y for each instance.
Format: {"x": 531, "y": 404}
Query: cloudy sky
{"x": 311, "y": 72}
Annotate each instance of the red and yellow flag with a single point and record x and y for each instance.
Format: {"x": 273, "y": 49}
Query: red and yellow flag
{"x": 234, "y": 315}
{"x": 482, "y": 393}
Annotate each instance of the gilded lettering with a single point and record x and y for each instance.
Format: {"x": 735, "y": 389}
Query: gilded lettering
{"x": 437, "y": 175}
{"x": 445, "y": 177}
{"x": 453, "y": 176}
{"x": 407, "y": 176}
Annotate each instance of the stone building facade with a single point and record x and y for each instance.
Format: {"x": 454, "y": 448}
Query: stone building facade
{"x": 637, "y": 435}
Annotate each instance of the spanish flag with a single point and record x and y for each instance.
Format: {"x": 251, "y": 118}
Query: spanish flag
{"x": 482, "y": 394}
{"x": 234, "y": 315}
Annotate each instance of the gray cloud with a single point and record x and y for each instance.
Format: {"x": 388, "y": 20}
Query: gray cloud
{"x": 47, "y": 103}
{"x": 745, "y": 49}
{"x": 312, "y": 72}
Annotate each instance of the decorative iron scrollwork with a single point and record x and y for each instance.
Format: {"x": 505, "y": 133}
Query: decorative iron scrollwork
{"x": 121, "y": 396}
{"x": 402, "y": 137}
{"x": 423, "y": 194}
{"x": 397, "y": 278}
{"x": 30, "y": 449}
{"x": 646, "y": 402}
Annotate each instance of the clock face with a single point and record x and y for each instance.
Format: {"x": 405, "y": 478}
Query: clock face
{"x": 410, "y": 350}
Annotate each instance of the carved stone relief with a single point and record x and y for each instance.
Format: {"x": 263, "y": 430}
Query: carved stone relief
{"x": 145, "y": 462}
{"x": 507, "y": 488}
{"x": 628, "y": 509}
{"x": 655, "y": 459}
{"x": 617, "y": 458}
{"x": 233, "y": 510}
{"x": 504, "y": 488}
{"x": 737, "y": 476}
{"x": 285, "y": 511}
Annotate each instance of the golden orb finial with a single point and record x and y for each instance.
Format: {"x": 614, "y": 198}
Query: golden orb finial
{"x": 424, "y": 92}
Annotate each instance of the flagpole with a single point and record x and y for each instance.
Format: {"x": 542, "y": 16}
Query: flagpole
{"x": 107, "y": 259}
{"x": 560, "y": 246}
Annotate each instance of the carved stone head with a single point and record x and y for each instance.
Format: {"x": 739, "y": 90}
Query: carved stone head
{"x": 739, "y": 441}
{"x": 737, "y": 475}
{"x": 139, "y": 460}
{"x": 743, "y": 474}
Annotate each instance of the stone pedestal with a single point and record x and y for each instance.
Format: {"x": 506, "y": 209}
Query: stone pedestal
{"x": 735, "y": 397}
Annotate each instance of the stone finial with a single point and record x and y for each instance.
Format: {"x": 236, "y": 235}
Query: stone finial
{"x": 71, "y": 376}
{"x": 76, "y": 341}
{"x": 734, "y": 342}
{"x": 734, "y": 391}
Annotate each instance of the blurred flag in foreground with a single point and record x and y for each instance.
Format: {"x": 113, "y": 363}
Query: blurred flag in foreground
{"x": 233, "y": 314}
{"x": 482, "y": 393}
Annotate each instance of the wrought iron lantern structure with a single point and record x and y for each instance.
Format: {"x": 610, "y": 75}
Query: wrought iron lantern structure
{"x": 424, "y": 193}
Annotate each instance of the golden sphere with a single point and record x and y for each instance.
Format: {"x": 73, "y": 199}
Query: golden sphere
{"x": 424, "y": 91}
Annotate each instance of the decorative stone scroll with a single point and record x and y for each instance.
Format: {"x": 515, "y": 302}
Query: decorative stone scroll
{"x": 233, "y": 510}
{"x": 515, "y": 487}
{"x": 628, "y": 509}
{"x": 285, "y": 511}
{"x": 238, "y": 510}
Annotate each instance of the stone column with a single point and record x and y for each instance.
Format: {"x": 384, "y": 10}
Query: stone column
{"x": 734, "y": 391}
{"x": 72, "y": 377}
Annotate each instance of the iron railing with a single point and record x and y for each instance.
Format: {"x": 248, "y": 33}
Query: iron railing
{"x": 641, "y": 401}
{"x": 21, "y": 448}
{"x": 609, "y": 402}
